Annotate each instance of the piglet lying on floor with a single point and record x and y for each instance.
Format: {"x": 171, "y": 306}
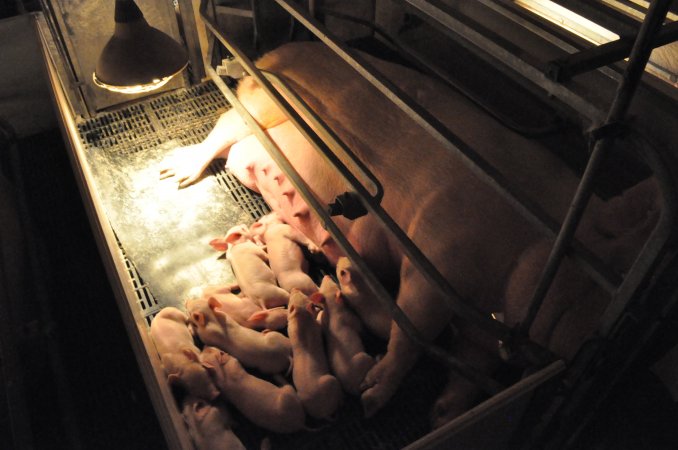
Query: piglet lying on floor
{"x": 250, "y": 266}
{"x": 268, "y": 352}
{"x": 274, "y": 408}
{"x": 342, "y": 328}
{"x": 285, "y": 256}
{"x": 240, "y": 308}
{"x": 319, "y": 391}
{"x": 179, "y": 355}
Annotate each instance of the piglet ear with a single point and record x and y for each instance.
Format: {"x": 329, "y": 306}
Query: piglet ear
{"x": 213, "y": 303}
{"x": 200, "y": 409}
{"x": 190, "y": 354}
{"x": 198, "y": 318}
{"x": 236, "y": 233}
{"x": 339, "y": 298}
{"x": 258, "y": 317}
{"x": 223, "y": 357}
{"x": 344, "y": 276}
{"x": 219, "y": 244}
{"x": 173, "y": 379}
{"x": 317, "y": 298}
{"x": 207, "y": 365}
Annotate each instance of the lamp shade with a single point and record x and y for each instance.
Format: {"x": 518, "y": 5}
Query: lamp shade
{"x": 138, "y": 57}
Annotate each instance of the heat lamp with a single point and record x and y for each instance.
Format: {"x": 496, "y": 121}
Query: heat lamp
{"x": 137, "y": 58}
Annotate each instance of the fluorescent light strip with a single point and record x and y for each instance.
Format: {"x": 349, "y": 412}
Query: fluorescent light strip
{"x": 569, "y": 20}
{"x": 623, "y": 7}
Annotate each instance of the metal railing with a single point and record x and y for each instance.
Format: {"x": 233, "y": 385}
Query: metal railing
{"x": 623, "y": 289}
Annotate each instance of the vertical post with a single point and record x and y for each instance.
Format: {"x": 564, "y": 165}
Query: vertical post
{"x": 640, "y": 54}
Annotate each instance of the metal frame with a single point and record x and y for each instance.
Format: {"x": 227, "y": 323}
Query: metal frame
{"x": 114, "y": 262}
{"x": 370, "y": 196}
{"x": 457, "y": 304}
{"x": 624, "y": 290}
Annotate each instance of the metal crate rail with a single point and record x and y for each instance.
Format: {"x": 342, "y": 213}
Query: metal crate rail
{"x": 650, "y": 252}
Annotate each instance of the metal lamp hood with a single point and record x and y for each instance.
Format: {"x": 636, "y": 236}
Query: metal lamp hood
{"x": 138, "y": 57}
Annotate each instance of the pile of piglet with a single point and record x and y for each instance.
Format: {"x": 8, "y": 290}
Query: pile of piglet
{"x": 282, "y": 351}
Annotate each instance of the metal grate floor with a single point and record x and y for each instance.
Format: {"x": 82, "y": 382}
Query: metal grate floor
{"x": 117, "y": 140}
{"x": 186, "y": 117}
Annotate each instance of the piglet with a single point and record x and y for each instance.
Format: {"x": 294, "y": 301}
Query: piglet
{"x": 341, "y": 328}
{"x": 277, "y": 409}
{"x": 209, "y": 425}
{"x": 239, "y": 308}
{"x": 285, "y": 255}
{"x": 179, "y": 355}
{"x": 250, "y": 266}
{"x": 268, "y": 352}
{"x": 373, "y": 314}
{"x": 319, "y": 391}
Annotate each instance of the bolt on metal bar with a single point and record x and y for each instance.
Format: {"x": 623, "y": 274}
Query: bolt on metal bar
{"x": 625, "y": 91}
{"x": 484, "y": 382}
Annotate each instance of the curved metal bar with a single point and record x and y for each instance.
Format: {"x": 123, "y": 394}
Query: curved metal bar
{"x": 326, "y": 134}
{"x": 639, "y": 56}
{"x": 484, "y": 382}
{"x": 604, "y": 276}
{"x": 419, "y": 260}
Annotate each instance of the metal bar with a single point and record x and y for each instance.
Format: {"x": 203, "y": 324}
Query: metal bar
{"x": 327, "y": 135}
{"x": 515, "y": 63}
{"x": 487, "y": 384}
{"x": 506, "y": 11}
{"x": 565, "y": 68}
{"x": 510, "y": 403}
{"x": 648, "y": 256}
{"x": 639, "y": 56}
{"x": 487, "y": 173}
{"x": 189, "y": 32}
{"x": 240, "y": 12}
{"x": 459, "y": 307}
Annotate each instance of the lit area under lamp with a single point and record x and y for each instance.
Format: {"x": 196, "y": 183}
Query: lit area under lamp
{"x": 138, "y": 58}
